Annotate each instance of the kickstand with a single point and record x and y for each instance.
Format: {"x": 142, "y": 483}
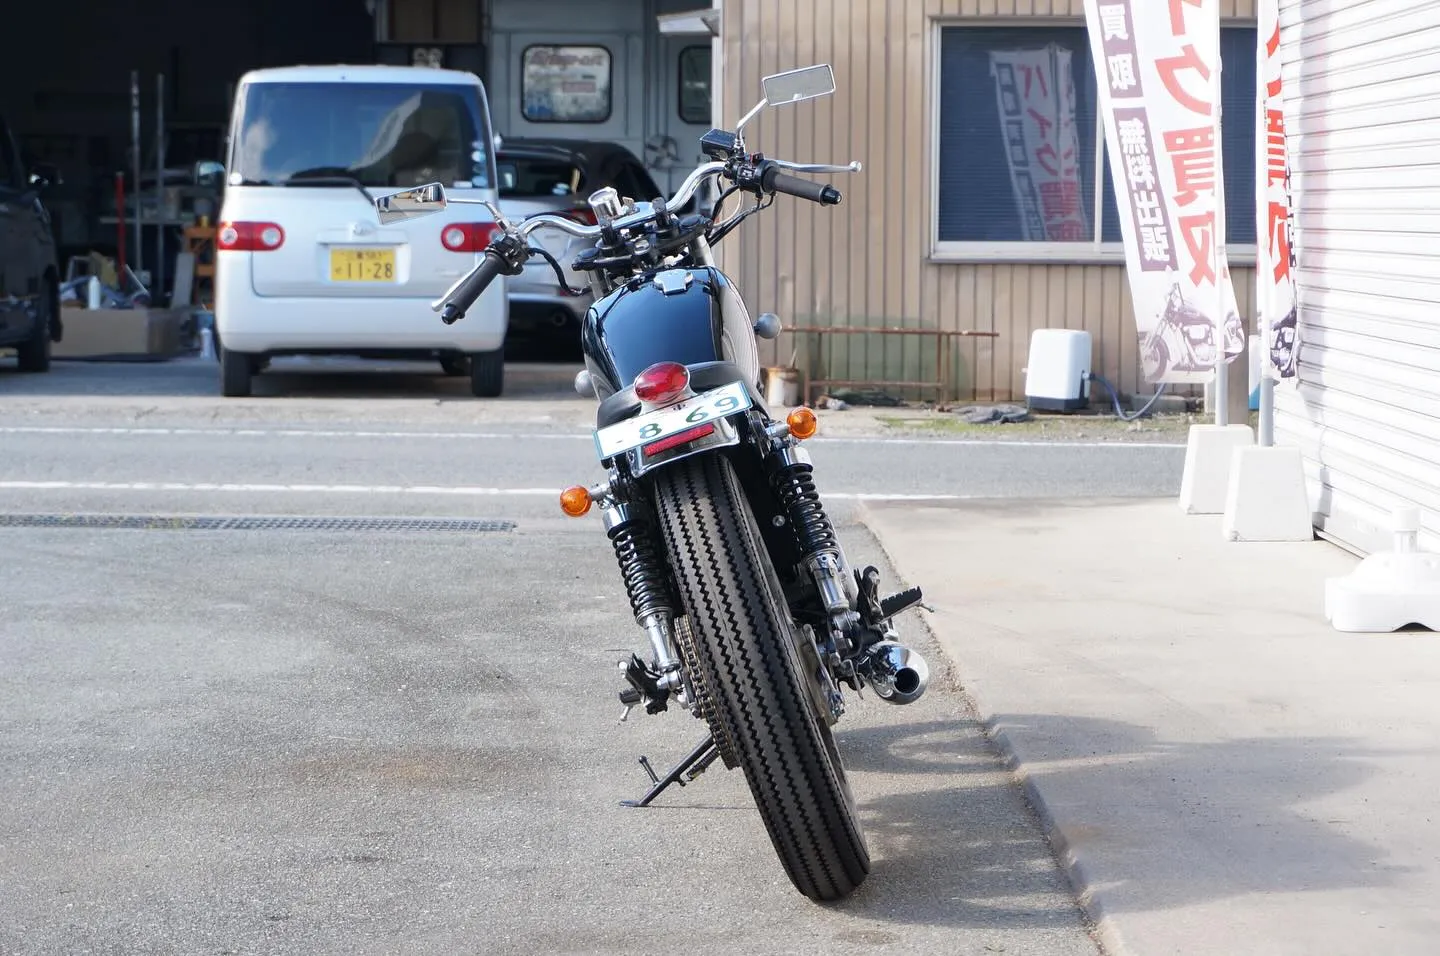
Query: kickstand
{"x": 699, "y": 758}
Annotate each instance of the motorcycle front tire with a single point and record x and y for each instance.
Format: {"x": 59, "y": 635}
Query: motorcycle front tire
{"x": 751, "y": 665}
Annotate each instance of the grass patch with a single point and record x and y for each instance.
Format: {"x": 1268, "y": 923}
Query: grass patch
{"x": 1045, "y": 426}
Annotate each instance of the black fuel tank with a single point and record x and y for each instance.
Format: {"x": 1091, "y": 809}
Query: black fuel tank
{"x": 680, "y": 315}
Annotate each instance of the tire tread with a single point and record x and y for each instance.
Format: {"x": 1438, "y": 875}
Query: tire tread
{"x": 740, "y": 628}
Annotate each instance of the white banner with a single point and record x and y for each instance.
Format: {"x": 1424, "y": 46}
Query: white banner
{"x": 1275, "y": 298}
{"x": 1158, "y": 73}
{"x": 1035, "y": 90}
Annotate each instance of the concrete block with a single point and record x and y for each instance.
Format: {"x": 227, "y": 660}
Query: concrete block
{"x": 1266, "y": 500}
{"x": 1388, "y": 590}
{"x": 1206, "y": 479}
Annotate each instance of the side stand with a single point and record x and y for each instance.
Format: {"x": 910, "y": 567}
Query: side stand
{"x": 699, "y": 758}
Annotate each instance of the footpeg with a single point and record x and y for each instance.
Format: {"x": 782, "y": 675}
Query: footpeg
{"x": 644, "y": 687}
{"x": 872, "y": 608}
{"x": 904, "y": 601}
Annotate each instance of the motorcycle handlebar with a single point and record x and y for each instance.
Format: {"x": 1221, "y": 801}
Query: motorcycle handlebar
{"x": 456, "y": 303}
{"x": 775, "y": 181}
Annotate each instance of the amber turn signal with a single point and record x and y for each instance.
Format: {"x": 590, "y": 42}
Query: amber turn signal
{"x": 802, "y": 423}
{"x": 575, "y": 502}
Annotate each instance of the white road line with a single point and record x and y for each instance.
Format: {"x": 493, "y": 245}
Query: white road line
{"x": 545, "y": 436}
{"x": 451, "y": 490}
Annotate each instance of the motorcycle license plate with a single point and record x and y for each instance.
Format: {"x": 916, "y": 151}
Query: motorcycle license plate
{"x": 672, "y": 420}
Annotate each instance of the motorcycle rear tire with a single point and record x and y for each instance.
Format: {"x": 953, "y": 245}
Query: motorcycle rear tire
{"x": 745, "y": 642}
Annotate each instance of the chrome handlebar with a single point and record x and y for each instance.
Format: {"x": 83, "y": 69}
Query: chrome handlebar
{"x": 682, "y": 196}
{"x": 580, "y": 230}
{"x": 460, "y": 296}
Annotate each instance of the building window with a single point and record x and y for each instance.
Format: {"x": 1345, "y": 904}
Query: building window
{"x": 695, "y": 85}
{"x": 982, "y": 174}
{"x": 565, "y": 84}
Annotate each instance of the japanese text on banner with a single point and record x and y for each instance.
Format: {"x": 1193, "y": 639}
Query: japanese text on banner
{"x": 1035, "y": 90}
{"x": 1275, "y": 290}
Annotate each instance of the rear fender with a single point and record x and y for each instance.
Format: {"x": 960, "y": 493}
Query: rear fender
{"x": 730, "y": 430}
{"x": 736, "y": 437}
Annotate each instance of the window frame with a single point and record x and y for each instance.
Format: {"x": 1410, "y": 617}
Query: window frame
{"x": 680, "y": 84}
{"x": 609, "y": 92}
{"x": 1095, "y": 252}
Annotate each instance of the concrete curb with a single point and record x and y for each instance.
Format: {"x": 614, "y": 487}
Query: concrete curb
{"x": 1088, "y": 895}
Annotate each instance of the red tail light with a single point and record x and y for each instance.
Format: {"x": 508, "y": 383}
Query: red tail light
{"x": 249, "y": 236}
{"x": 468, "y": 236}
{"x": 662, "y": 383}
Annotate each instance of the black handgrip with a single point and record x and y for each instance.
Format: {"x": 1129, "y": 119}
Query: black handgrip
{"x": 475, "y": 283}
{"x": 777, "y": 182}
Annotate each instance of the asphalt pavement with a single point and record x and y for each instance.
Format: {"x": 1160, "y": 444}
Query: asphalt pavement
{"x": 381, "y": 738}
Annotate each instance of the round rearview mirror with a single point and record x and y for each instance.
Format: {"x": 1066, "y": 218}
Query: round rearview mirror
{"x": 793, "y": 86}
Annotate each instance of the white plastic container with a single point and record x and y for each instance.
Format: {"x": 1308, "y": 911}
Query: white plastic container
{"x": 1057, "y": 372}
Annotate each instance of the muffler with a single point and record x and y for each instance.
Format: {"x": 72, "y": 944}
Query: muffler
{"x": 898, "y": 674}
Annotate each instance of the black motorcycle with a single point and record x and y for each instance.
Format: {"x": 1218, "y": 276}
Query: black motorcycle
{"x": 755, "y": 620}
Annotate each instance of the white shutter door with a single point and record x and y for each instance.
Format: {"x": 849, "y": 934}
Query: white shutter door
{"x": 1362, "y": 92}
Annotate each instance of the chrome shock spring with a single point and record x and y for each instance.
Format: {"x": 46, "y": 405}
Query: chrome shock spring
{"x": 642, "y": 568}
{"x": 794, "y": 482}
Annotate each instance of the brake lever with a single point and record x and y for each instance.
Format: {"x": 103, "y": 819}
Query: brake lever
{"x": 853, "y": 167}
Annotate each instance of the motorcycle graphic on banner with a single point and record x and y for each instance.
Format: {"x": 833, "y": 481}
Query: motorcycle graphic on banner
{"x": 1158, "y": 76}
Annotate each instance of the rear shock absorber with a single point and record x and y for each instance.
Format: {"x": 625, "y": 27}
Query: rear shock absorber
{"x": 642, "y": 569}
{"x": 793, "y": 479}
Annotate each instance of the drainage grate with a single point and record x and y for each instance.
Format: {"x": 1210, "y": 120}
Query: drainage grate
{"x": 252, "y": 523}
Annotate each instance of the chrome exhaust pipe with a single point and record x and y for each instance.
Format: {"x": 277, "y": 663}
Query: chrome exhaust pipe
{"x": 898, "y": 674}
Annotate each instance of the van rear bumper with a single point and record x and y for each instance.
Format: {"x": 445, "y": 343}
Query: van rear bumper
{"x": 276, "y": 324}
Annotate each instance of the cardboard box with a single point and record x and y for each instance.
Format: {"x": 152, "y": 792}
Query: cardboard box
{"x": 120, "y": 333}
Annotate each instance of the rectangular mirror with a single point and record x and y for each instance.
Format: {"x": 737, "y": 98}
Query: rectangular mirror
{"x": 410, "y": 203}
{"x": 795, "y": 85}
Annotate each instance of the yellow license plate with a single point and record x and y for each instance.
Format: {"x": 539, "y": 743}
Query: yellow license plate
{"x": 362, "y": 265}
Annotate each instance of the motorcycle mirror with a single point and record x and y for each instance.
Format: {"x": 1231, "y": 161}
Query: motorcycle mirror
{"x": 411, "y": 203}
{"x": 792, "y": 86}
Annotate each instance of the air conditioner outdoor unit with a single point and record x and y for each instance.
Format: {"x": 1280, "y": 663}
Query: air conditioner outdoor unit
{"x": 1057, "y": 371}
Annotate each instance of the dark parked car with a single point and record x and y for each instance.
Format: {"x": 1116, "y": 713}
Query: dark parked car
{"x": 29, "y": 270}
{"x": 556, "y": 176}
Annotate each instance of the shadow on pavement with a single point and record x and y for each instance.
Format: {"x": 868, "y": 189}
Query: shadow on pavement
{"x": 939, "y": 846}
{"x": 191, "y": 376}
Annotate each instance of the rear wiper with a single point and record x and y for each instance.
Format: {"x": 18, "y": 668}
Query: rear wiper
{"x": 329, "y": 181}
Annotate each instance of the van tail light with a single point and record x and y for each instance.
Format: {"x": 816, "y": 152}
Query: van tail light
{"x": 249, "y": 236}
{"x": 581, "y": 214}
{"x": 662, "y": 383}
{"x": 469, "y": 236}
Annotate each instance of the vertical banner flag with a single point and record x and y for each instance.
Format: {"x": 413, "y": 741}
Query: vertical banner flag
{"x": 1275, "y": 296}
{"x": 1036, "y": 94}
{"x": 1157, "y": 70}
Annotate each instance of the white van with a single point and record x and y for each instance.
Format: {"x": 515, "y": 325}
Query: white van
{"x": 303, "y": 266}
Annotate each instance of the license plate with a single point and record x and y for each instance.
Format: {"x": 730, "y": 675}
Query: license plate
{"x": 662, "y": 423}
{"x": 362, "y": 265}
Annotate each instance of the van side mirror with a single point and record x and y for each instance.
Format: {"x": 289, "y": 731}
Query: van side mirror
{"x": 209, "y": 173}
{"x": 45, "y": 175}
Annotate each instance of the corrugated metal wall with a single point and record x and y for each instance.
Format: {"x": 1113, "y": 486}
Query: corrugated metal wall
{"x": 1362, "y": 116}
{"x": 865, "y": 262}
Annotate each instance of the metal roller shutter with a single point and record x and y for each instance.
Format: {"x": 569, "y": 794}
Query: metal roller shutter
{"x": 1362, "y": 104}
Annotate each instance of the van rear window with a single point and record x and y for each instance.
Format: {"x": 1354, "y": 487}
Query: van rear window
{"x": 383, "y": 134}
{"x": 524, "y": 177}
